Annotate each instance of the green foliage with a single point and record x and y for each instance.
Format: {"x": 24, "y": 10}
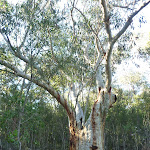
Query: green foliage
{"x": 40, "y": 127}
{"x": 125, "y": 122}
{"x": 45, "y": 124}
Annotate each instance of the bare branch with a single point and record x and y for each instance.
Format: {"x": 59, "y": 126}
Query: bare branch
{"x": 106, "y": 19}
{"x": 98, "y": 68}
{"x": 23, "y": 83}
{"x": 86, "y": 20}
{"x": 47, "y": 87}
{"x": 108, "y": 68}
{"x": 77, "y": 106}
{"x": 126, "y": 6}
{"x": 120, "y": 6}
{"x": 100, "y": 55}
{"x": 99, "y": 78}
{"x": 12, "y": 49}
{"x": 108, "y": 56}
{"x": 99, "y": 45}
{"x": 129, "y": 21}
{"x": 86, "y": 106}
{"x": 98, "y": 62}
{"x": 6, "y": 38}
{"x": 96, "y": 34}
{"x": 18, "y": 53}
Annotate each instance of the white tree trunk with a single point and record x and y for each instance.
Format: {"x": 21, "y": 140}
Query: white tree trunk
{"x": 91, "y": 136}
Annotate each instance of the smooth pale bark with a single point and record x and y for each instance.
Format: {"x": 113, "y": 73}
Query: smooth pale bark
{"x": 91, "y": 136}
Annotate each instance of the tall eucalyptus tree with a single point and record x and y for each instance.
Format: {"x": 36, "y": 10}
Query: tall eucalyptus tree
{"x": 69, "y": 51}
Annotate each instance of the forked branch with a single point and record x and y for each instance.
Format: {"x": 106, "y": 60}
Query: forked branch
{"x": 106, "y": 19}
{"x": 129, "y": 21}
{"x": 108, "y": 56}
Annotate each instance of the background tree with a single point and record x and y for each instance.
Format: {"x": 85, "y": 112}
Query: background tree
{"x": 127, "y": 121}
{"x": 37, "y": 127}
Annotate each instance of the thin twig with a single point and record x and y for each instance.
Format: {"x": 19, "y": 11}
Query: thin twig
{"x": 91, "y": 28}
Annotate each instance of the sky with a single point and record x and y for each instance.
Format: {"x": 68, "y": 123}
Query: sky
{"x": 125, "y": 68}
{"x": 15, "y": 1}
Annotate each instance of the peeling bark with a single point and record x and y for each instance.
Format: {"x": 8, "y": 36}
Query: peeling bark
{"x": 91, "y": 137}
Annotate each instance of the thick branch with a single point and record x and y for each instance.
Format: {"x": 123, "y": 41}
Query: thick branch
{"x": 108, "y": 56}
{"x": 17, "y": 52}
{"x": 108, "y": 68}
{"x": 99, "y": 45}
{"x": 126, "y": 6}
{"x": 86, "y": 106}
{"x": 47, "y": 87}
{"x": 129, "y": 21}
{"x": 106, "y": 19}
{"x": 97, "y": 66}
{"x": 6, "y": 38}
{"x": 78, "y": 109}
{"x": 120, "y": 6}
{"x": 99, "y": 78}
